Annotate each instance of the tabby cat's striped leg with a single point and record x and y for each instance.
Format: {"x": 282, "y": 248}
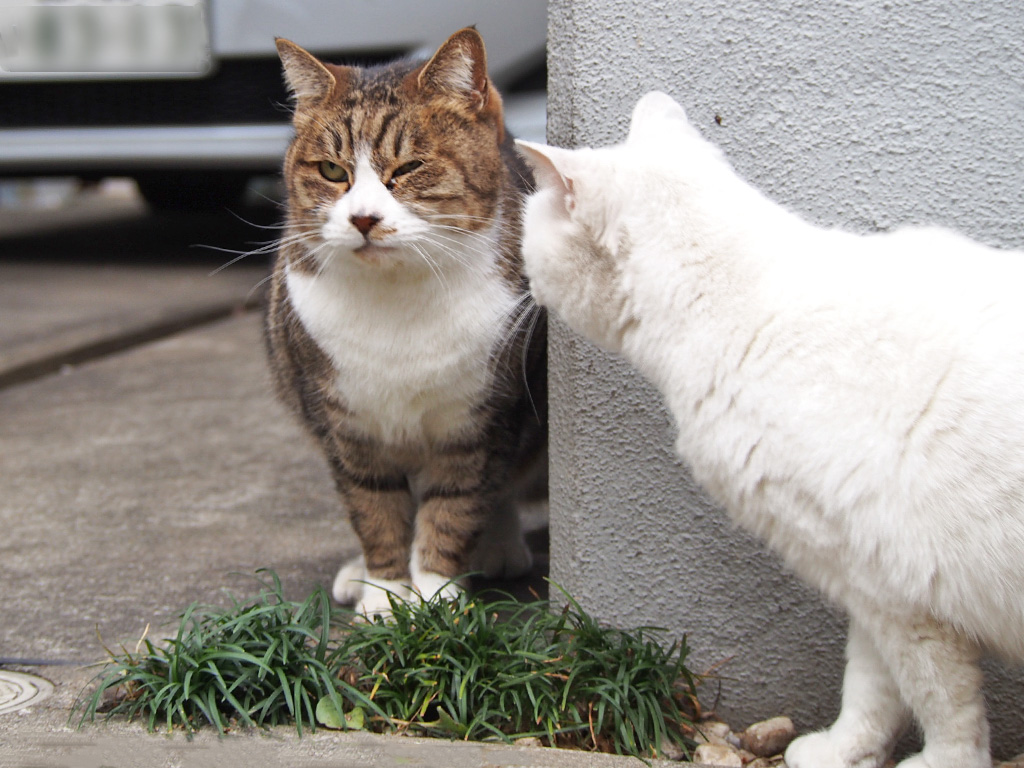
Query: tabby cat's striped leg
{"x": 448, "y": 525}
{"x": 457, "y": 493}
{"x": 381, "y": 512}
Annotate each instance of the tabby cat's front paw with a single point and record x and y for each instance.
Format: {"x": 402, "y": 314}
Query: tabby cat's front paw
{"x": 371, "y": 597}
{"x": 349, "y": 583}
{"x": 429, "y": 585}
{"x": 378, "y": 595}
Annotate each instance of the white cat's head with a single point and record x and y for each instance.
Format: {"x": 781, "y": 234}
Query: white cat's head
{"x": 597, "y": 210}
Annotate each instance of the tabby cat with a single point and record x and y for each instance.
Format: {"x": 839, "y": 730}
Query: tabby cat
{"x": 855, "y": 401}
{"x": 400, "y": 327}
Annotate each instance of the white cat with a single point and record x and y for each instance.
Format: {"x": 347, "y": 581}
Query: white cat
{"x": 856, "y": 401}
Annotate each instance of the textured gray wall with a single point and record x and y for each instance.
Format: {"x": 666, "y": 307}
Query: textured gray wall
{"x": 863, "y": 114}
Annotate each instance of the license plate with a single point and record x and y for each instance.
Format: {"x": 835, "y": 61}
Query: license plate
{"x": 96, "y": 39}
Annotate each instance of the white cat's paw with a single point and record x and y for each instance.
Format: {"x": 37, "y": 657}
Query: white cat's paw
{"x": 915, "y": 761}
{"x": 377, "y": 597}
{"x": 817, "y": 750}
{"x": 965, "y": 757}
{"x": 349, "y": 583}
{"x": 505, "y": 557}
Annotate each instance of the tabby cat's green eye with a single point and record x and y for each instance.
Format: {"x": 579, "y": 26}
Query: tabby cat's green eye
{"x": 333, "y": 171}
{"x": 402, "y": 170}
{"x": 409, "y": 167}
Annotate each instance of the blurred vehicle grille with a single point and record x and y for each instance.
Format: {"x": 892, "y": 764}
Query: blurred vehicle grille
{"x": 241, "y": 91}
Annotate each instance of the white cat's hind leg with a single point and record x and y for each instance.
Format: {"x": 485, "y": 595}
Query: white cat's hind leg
{"x": 872, "y": 715}
{"x": 936, "y": 669}
{"x": 501, "y": 551}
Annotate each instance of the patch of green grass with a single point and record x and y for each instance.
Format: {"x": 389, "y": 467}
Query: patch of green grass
{"x": 469, "y": 668}
{"x": 264, "y": 662}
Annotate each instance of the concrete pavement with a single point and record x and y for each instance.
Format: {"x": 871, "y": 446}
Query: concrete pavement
{"x": 144, "y": 465}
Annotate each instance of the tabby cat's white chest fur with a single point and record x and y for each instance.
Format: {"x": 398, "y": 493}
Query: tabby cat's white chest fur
{"x": 412, "y": 354}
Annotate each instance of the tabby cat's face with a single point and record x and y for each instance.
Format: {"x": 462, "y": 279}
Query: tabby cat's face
{"x": 397, "y": 165}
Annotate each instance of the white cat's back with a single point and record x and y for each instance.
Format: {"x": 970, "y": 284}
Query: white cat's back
{"x": 862, "y": 385}
{"x": 855, "y": 401}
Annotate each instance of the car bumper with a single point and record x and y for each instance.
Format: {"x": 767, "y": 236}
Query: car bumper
{"x": 124, "y": 151}
{"x": 73, "y": 151}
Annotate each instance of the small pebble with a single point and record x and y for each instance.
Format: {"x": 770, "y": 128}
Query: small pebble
{"x": 713, "y": 732}
{"x": 717, "y": 754}
{"x": 769, "y": 737}
{"x": 671, "y": 751}
{"x": 529, "y": 741}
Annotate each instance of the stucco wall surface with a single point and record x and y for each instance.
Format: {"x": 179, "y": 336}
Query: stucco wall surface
{"x": 863, "y": 114}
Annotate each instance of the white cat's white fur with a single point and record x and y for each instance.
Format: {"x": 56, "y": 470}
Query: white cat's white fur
{"x": 410, "y": 327}
{"x": 856, "y": 401}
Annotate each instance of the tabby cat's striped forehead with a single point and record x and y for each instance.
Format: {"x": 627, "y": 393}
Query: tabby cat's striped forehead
{"x": 375, "y": 115}
{"x": 380, "y": 84}
{"x": 379, "y": 110}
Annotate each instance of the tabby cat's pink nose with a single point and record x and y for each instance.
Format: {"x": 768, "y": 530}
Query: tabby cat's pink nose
{"x": 364, "y": 223}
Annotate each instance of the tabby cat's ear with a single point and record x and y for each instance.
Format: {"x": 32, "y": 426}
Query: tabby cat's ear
{"x": 552, "y": 168}
{"x": 308, "y": 79}
{"x": 656, "y": 113}
{"x": 459, "y": 68}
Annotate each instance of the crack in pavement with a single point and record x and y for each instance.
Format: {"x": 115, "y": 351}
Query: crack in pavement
{"x": 140, "y": 335}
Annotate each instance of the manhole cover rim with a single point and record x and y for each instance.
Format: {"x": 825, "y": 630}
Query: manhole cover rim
{"x": 31, "y": 690}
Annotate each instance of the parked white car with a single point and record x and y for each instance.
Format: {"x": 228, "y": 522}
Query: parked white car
{"x": 187, "y": 96}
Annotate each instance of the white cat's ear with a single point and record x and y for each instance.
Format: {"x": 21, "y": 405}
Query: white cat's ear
{"x": 656, "y": 113}
{"x": 307, "y": 78}
{"x": 551, "y": 168}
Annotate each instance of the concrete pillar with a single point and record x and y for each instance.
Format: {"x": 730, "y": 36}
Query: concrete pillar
{"x": 864, "y": 114}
